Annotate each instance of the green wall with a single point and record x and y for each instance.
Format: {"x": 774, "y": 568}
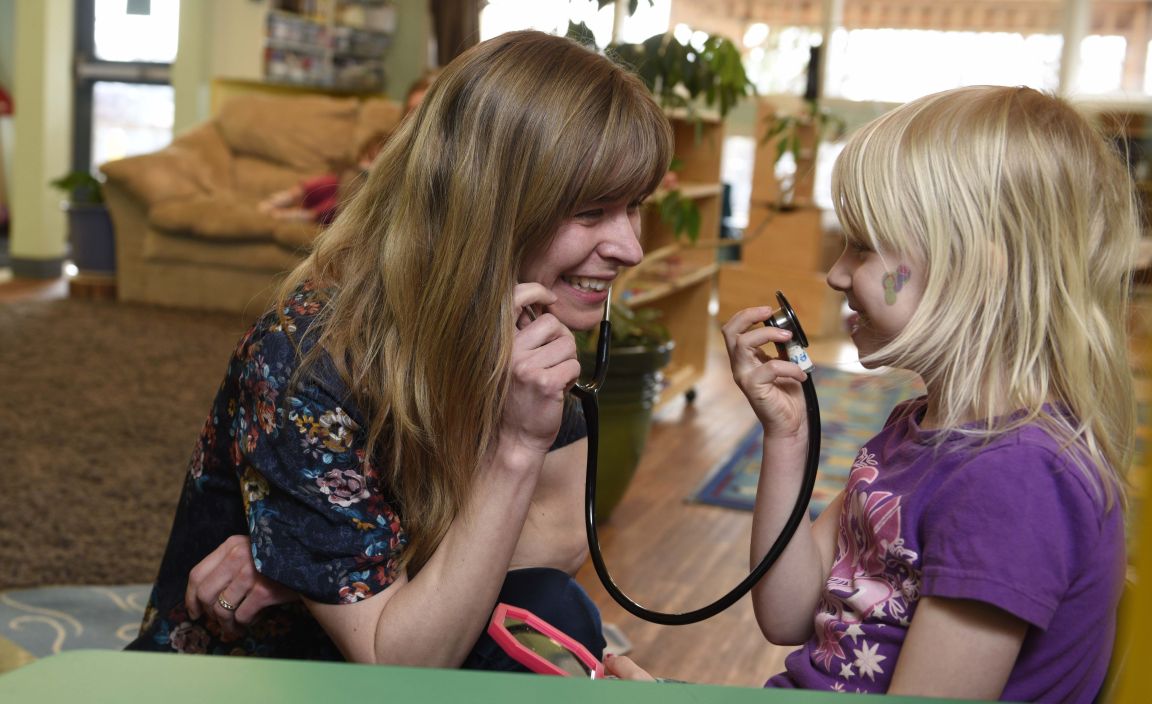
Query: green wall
{"x": 408, "y": 56}
{"x": 7, "y": 42}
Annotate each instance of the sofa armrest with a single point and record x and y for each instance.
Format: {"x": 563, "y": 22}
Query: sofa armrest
{"x": 194, "y": 164}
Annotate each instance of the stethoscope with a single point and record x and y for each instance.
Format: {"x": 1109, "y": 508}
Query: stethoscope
{"x": 588, "y": 393}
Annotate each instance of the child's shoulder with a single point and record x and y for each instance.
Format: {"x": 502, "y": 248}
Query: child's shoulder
{"x": 1030, "y": 459}
{"x": 909, "y": 409}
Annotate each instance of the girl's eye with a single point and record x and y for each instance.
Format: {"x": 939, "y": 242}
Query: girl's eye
{"x": 859, "y": 247}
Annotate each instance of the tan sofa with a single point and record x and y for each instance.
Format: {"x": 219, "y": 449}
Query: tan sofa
{"x": 188, "y": 232}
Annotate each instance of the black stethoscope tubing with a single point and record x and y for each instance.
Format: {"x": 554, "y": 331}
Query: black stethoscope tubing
{"x": 588, "y": 395}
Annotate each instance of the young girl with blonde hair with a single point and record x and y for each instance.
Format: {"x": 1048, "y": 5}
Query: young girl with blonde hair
{"x": 395, "y": 437}
{"x": 977, "y": 550}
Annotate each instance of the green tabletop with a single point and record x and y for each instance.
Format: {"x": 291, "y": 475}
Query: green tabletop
{"x": 83, "y": 676}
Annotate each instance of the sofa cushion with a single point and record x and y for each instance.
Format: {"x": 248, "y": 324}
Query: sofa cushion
{"x": 213, "y": 153}
{"x": 237, "y": 255}
{"x": 257, "y": 178}
{"x": 217, "y": 216}
{"x": 295, "y": 235}
{"x": 376, "y": 115}
{"x": 309, "y": 133}
{"x": 180, "y": 170}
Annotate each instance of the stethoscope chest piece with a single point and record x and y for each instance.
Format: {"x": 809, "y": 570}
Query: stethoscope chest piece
{"x": 785, "y": 319}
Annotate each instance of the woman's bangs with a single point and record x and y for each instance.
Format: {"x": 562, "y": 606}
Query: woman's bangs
{"x": 631, "y": 159}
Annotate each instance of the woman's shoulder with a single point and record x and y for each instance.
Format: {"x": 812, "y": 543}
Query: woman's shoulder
{"x": 287, "y": 327}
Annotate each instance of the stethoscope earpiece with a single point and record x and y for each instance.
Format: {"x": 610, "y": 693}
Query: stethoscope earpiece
{"x": 603, "y": 354}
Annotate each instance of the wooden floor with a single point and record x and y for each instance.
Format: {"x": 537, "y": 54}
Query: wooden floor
{"x": 30, "y": 289}
{"x": 670, "y": 555}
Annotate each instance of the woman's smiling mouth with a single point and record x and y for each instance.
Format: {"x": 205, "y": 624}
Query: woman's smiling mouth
{"x": 584, "y": 283}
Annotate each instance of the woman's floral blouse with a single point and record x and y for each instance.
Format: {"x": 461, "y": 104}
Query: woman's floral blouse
{"x": 292, "y": 474}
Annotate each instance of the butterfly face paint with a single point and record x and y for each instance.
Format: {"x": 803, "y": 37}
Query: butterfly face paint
{"x": 893, "y": 282}
{"x": 882, "y": 295}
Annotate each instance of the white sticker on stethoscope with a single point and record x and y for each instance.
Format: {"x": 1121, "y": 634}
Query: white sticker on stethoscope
{"x": 799, "y": 356}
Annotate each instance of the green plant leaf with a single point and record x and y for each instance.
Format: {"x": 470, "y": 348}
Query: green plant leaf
{"x": 631, "y": 327}
{"x": 632, "y": 5}
{"x": 678, "y": 74}
{"x": 680, "y": 214}
{"x": 581, "y": 33}
{"x": 81, "y": 186}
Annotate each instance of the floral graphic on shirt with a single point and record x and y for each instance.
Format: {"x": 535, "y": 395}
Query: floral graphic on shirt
{"x": 331, "y": 434}
{"x": 283, "y": 458}
{"x": 253, "y": 487}
{"x": 343, "y": 487}
{"x": 873, "y": 581}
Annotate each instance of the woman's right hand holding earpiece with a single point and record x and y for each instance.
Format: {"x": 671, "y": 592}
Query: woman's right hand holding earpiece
{"x": 544, "y": 366}
{"x": 771, "y": 384}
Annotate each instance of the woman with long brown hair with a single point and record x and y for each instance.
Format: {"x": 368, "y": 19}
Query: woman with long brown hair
{"x": 395, "y": 437}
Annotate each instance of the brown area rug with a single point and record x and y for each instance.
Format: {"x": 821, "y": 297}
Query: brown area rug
{"x": 100, "y": 405}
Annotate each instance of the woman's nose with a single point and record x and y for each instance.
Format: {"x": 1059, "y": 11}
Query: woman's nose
{"x": 622, "y": 241}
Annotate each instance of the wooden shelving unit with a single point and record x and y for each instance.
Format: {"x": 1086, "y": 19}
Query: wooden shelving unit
{"x": 677, "y": 278}
{"x": 332, "y": 44}
{"x": 786, "y": 250}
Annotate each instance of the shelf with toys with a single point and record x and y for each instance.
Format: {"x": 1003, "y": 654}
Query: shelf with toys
{"x": 334, "y": 44}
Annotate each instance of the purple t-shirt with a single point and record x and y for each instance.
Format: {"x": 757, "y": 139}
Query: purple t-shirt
{"x": 1013, "y": 523}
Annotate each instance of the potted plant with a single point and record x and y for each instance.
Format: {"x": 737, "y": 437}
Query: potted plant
{"x": 91, "y": 238}
{"x": 640, "y": 349}
{"x": 682, "y": 76}
{"x": 799, "y": 134}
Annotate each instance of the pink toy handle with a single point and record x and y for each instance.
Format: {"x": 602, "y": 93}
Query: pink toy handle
{"x": 526, "y": 622}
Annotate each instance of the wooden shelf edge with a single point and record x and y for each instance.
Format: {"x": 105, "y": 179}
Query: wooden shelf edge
{"x": 703, "y": 115}
{"x": 678, "y": 284}
{"x": 693, "y": 190}
{"x": 677, "y": 381}
{"x": 650, "y": 259}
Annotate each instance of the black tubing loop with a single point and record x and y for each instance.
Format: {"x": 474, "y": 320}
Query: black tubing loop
{"x": 590, "y": 405}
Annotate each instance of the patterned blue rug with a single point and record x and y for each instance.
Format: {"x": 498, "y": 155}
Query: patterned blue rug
{"x": 853, "y": 408}
{"x": 48, "y": 620}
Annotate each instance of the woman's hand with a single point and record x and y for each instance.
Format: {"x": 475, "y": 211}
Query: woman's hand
{"x": 621, "y": 667}
{"x": 228, "y": 576}
{"x": 771, "y": 384}
{"x": 544, "y": 366}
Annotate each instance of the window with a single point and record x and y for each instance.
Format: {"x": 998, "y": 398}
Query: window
{"x": 896, "y": 50}
{"x": 124, "y": 103}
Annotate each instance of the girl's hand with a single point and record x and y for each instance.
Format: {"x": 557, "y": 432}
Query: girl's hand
{"x": 229, "y": 574}
{"x": 544, "y": 366}
{"x": 771, "y": 384}
{"x": 622, "y": 667}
